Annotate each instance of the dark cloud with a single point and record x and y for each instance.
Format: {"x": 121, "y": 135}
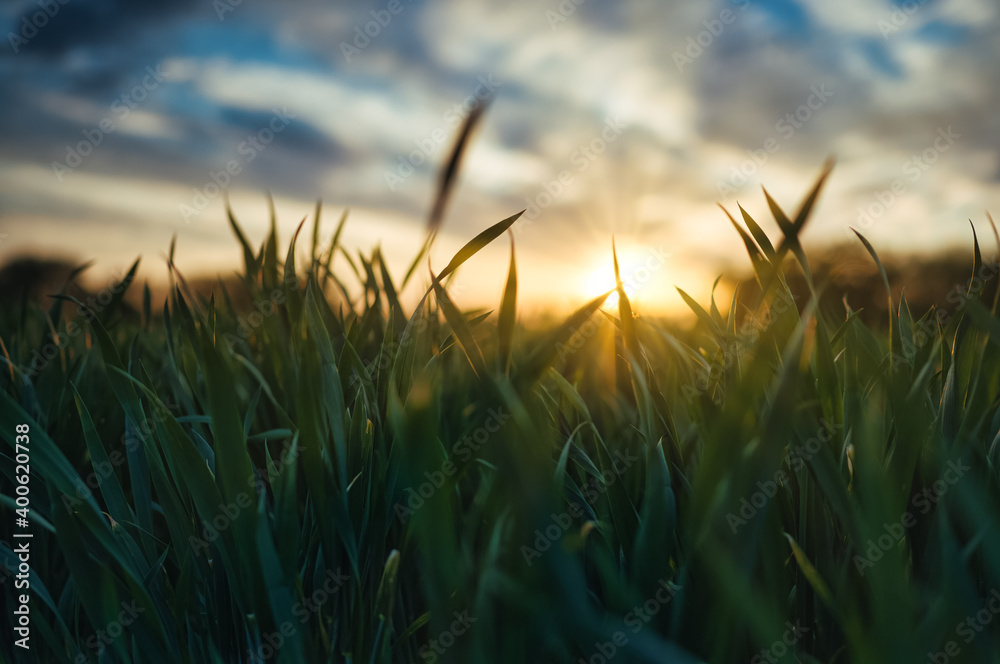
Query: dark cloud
{"x": 82, "y": 23}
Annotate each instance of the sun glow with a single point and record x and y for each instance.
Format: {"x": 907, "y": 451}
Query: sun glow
{"x": 600, "y": 280}
{"x": 641, "y": 268}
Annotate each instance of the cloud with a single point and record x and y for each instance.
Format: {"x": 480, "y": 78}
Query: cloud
{"x": 690, "y": 120}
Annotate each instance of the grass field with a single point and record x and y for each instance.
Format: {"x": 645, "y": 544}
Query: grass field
{"x": 317, "y": 480}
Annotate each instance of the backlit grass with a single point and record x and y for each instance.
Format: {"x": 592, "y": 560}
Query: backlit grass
{"x": 322, "y": 480}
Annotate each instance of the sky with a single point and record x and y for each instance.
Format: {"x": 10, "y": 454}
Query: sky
{"x": 124, "y": 121}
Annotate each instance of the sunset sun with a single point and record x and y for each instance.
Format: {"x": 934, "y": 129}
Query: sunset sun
{"x": 642, "y": 273}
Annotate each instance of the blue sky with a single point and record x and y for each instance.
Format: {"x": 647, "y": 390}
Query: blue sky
{"x": 624, "y": 118}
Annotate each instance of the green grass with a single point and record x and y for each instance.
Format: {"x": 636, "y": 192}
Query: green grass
{"x": 325, "y": 482}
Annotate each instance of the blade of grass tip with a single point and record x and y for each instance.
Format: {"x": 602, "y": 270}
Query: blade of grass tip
{"x": 290, "y": 279}
{"x": 625, "y": 309}
{"x": 474, "y": 245}
{"x": 354, "y": 267}
{"x": 328, "y": 261}
{"x": 424, "y": 248}
{"x": 335, "y": 240}
{"x": 758, "y": 233}
{"x": 791, "y": 240}
{"x": 977, "y": 259}
{"x": 714, "y": 310}
{"x": 271, "y": 246}
{"x": 777, "y": 259}
{"x": 544, "y": 353}
{"x": 445, "y": 185}
{"x": 885, "y": 281}
{"x": 700, "y": 312}
{"x": 371, "y": 283}
{"x": 807, "y": 204}
{"x": 56, "y": 309}
{"x": 249, "y": 260}
{"x": 386, "y": 593}
{"x": 792, "y": 235}
{"x": 614, "y": 257}
{"x": 170, "y": 261}
{"x": 343, "y": 291}
{"x": 289, "y": 273}
{"x": 116, "y": 299}
{"x": 508, "y": 313}
{"x": 757, "y": 260}
{"x": 784, "y": 223}
{"x": 315, "y": 234}
{"x": 398, "y": 321}
{"x": 184, "y": 284}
